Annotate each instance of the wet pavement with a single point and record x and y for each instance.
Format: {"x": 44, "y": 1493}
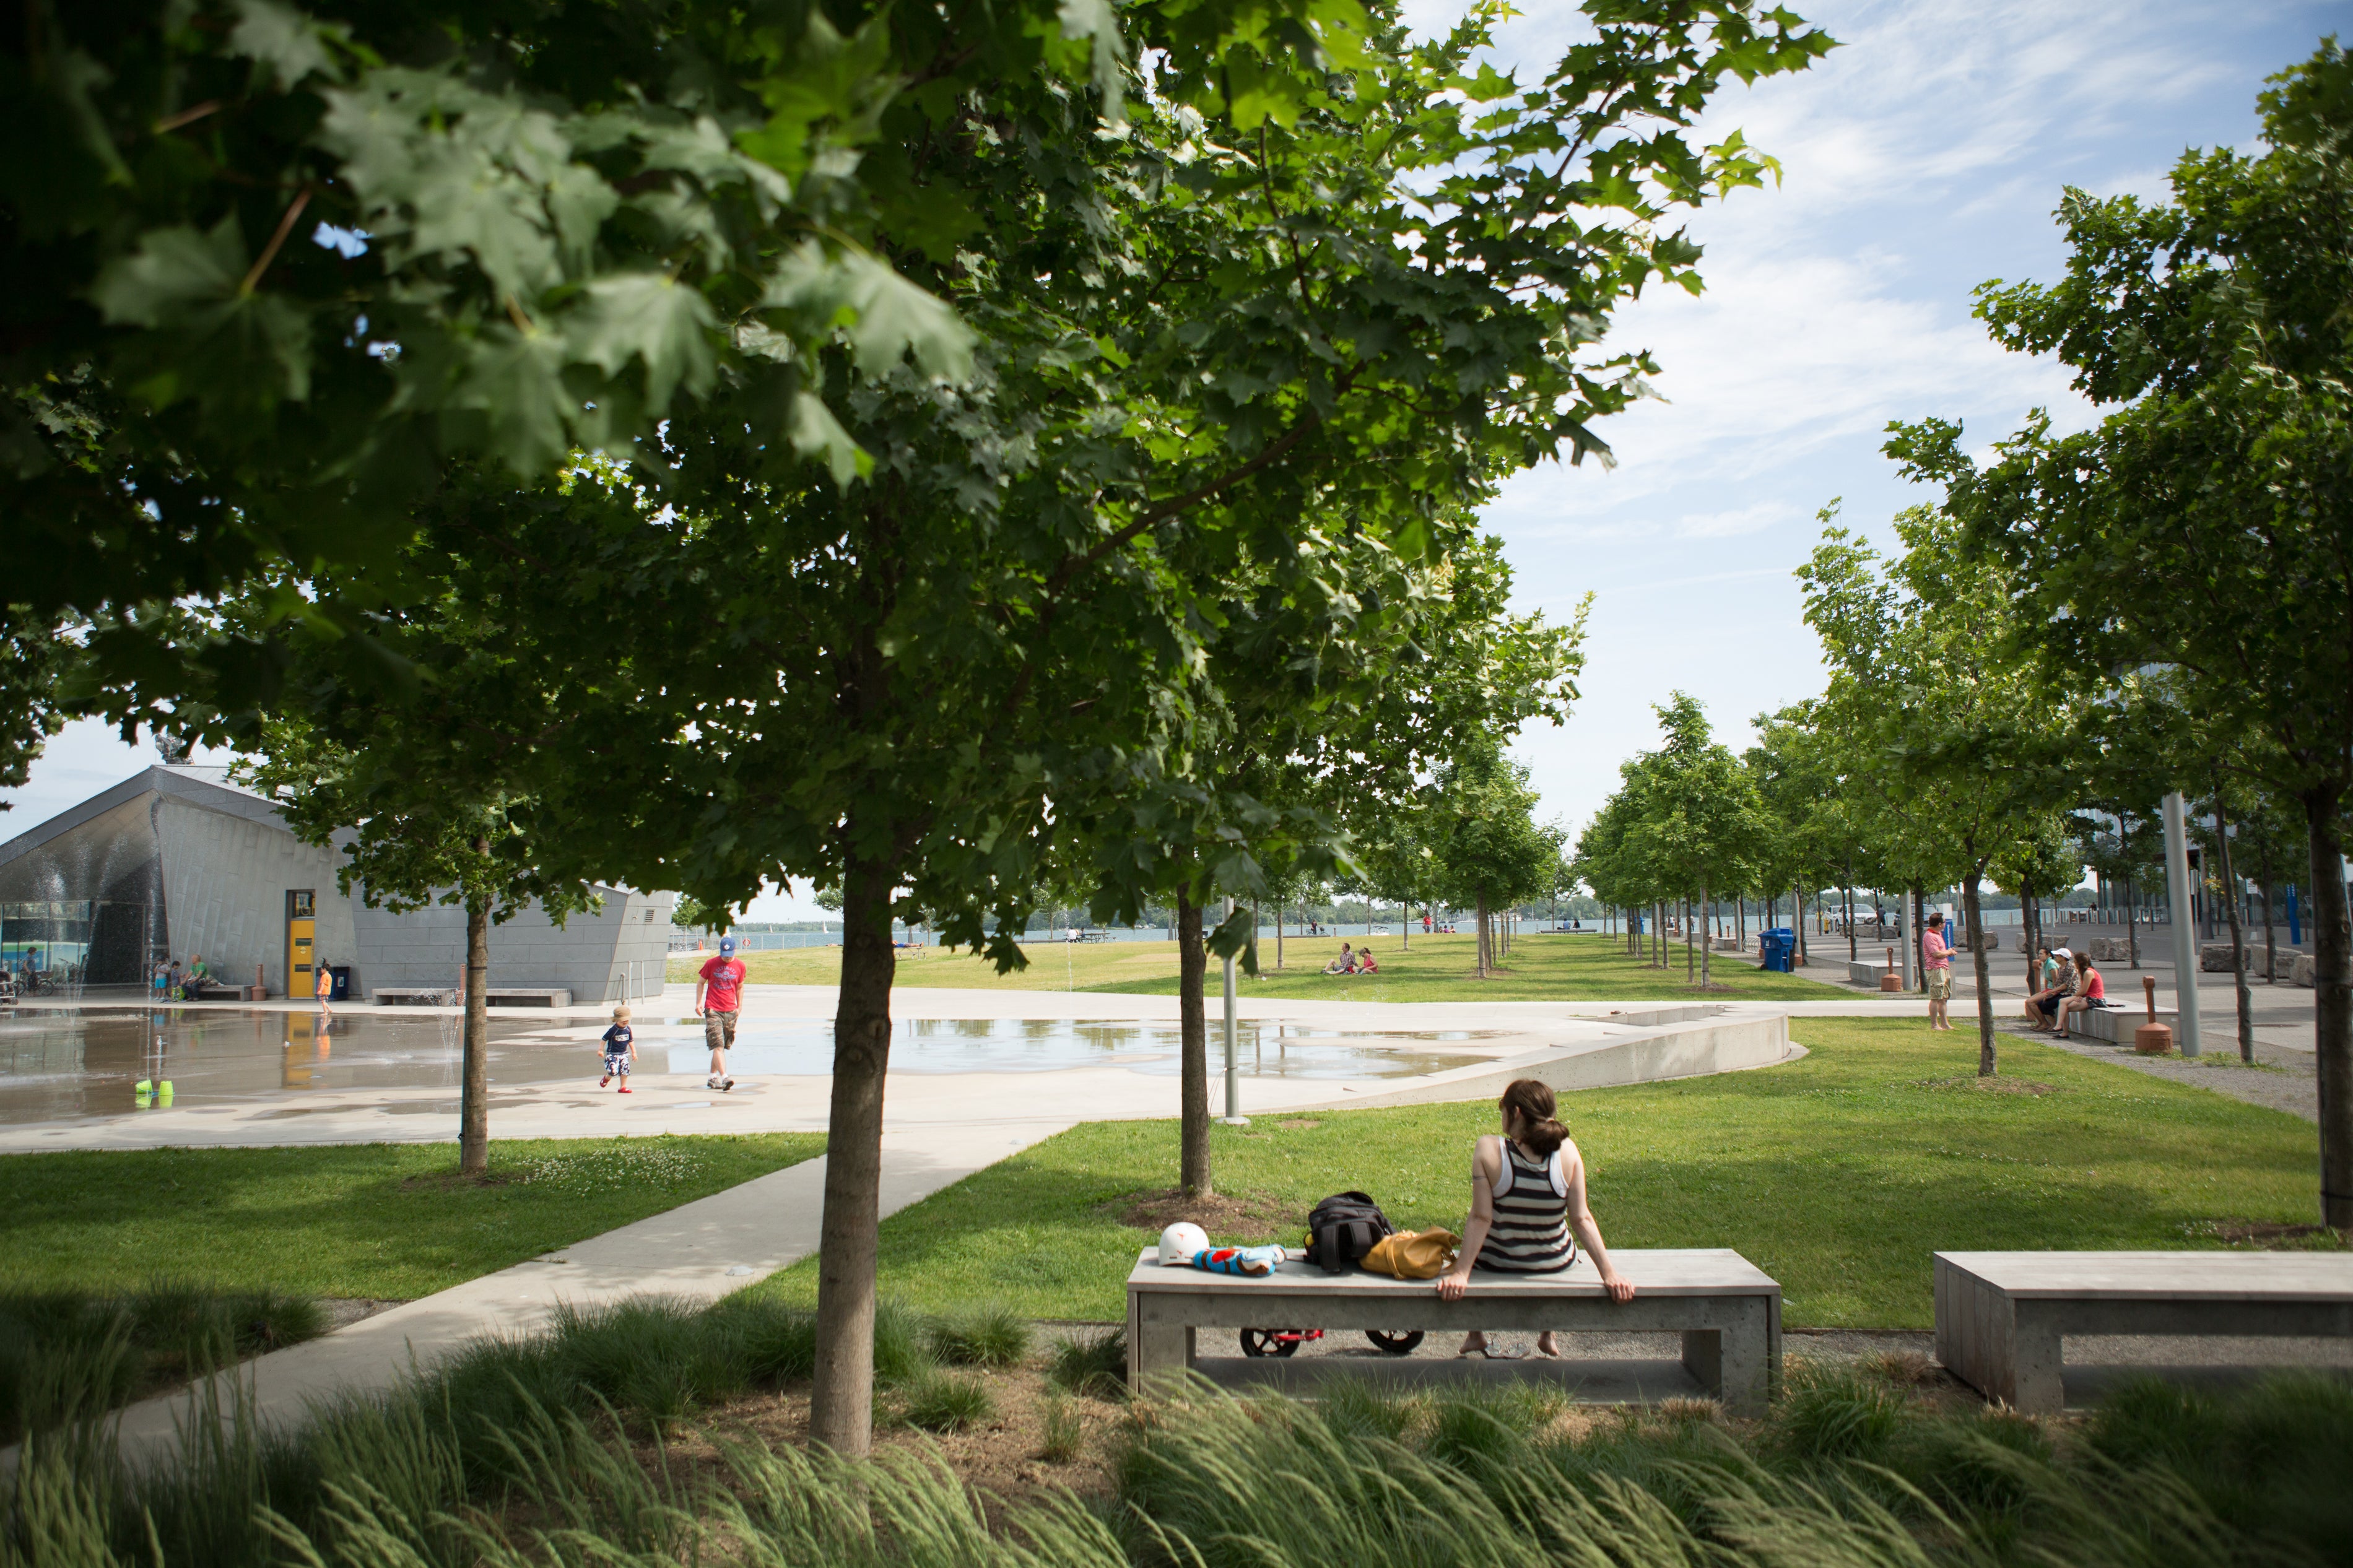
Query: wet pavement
{"x": 61, "y": 1064}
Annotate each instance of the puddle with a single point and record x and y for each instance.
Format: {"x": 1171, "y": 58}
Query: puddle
{"x": 59, "y": 1064}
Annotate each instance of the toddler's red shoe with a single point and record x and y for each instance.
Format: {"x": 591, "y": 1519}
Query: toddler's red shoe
{"x": 605, "y": 1079}
{"x": 625, "y": 1088}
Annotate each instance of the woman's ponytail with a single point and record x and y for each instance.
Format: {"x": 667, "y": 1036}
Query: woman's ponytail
{"x": 1531, "y": 1099}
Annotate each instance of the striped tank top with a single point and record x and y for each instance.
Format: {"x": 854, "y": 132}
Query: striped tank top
{"x": 1530, "y": 1235}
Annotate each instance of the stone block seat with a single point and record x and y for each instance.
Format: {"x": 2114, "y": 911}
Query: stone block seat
{"x": 2116, "y": 1024}
{"x": 2003, "y": 1317}
{"x": 496, "y": 996}
{"x": 1866, "y": 975}
{"x": 1726, "y": 1309}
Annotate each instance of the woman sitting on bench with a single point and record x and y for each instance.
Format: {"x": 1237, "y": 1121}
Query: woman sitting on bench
{"x": 2091, "y": 992}
{"x": 1527, "y": 1197}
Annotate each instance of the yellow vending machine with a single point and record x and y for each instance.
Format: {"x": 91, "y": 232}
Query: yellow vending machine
{"x": 302, "y": 928}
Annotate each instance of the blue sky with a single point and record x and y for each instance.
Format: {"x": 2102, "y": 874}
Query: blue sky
{"x": 1921, "y": 158}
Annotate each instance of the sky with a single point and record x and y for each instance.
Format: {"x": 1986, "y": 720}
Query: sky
{"x": 1923, "y": 157}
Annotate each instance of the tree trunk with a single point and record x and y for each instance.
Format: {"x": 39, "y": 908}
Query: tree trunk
{"x": 1707, "y": 937}
{"x": 1798, "y": 923}
{"x": 474, "y": 1083}
{"x": 2332, "y": 1022}
{"x": 2132, "y": 925}
{"x": 1192, "y": 1032}
{"x": 2026, "y": 931}
{"x": 1481, "y": 956}
{"x": 1846, "y": 894}
{"x": 2238, "y": 943}
{"x": 1278, "y": 933}
{"x": 1973, "y": 913}
{"x": 841, "y": 1403}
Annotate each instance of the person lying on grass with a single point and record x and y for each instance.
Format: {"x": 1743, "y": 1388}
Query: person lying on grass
{"x": 1527, "y": 1197}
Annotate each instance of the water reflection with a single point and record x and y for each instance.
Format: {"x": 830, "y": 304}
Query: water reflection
{"x": 62, "y": 1063}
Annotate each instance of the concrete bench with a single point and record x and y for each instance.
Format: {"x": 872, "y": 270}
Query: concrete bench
{"x": 1867, "y": 975}
{"x": 2002, "y": 1318}
{"x": 496, "y": 996}
{"x": 1727, "y": 1310}
{"x": 2116, "y": 1024}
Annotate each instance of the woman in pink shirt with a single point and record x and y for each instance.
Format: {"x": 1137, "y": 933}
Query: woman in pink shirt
{"x": 1936, "y": 964}
{"x": 2091, "y": 991}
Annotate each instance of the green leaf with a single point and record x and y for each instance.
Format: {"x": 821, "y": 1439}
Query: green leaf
{"x": 172, "y": 271}
{"x": 883, "y": 317}
{"x": 1094, "y": 21}
{"x": 646, "y": 316}
{"x": 292, "y": 45}
{"x": 811, "y": 427}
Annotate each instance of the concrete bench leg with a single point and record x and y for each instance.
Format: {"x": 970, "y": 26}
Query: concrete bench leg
{"x": 1746, "y": 1347}
{"x": 2004, "y": 1348}
{"x": 1736, "y": 1363}
{"x": 1703, "y": 1358}
{"x": 2035, "y": 1357}
{"x": 1154, "y": 1348}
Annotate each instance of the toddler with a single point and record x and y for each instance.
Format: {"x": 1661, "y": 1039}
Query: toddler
{"x": 620, "y": 1050}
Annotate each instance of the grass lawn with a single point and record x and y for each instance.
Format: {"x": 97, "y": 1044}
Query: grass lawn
{"x": 1433, "y": 969}
{"x": 1838, "y": 1174}
{"x": 381, "y": 1221}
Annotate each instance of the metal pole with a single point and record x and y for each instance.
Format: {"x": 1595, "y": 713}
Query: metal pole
{"x": 2185, "y": 933}
{"x": 1233, "y": 1116}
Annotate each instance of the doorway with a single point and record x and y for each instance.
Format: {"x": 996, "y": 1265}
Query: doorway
{"x": 301, "y": 935}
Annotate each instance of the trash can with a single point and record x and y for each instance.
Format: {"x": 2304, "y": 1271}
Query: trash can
{"x": 1778, "y": 949}
{"x": 342, "y": 989}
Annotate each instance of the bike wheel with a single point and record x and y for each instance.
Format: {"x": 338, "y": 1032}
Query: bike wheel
{"x": 1394, "y": 1344}
{"x": 1270, "y": 1341}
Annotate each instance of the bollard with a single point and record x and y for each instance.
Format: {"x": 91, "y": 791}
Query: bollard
{"x": 1891, "y": 981}
{"x": 2152, "y": 1038}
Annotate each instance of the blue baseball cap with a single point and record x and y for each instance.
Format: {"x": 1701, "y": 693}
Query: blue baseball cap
{"x": 727, "y": 945}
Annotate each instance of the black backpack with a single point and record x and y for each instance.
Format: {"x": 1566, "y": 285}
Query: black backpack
{"x": 1342, "y": 1229}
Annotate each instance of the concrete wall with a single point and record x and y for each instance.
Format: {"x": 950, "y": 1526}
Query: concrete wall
{"x": 600, "y": 955}
{"x": 224, "y": 884}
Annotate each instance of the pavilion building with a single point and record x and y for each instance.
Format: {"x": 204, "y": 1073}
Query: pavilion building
{"x": 178, "y": 862}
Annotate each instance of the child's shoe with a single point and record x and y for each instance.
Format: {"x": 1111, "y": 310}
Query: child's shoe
{"x": 711, "y": 1083}
{"x": 625, "y": 1088}
{"x": 605, "y": 1079}
{"x": 726, "y": 1085}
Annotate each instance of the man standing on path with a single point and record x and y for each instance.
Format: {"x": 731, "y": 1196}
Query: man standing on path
{"x": 1936, "y": 964}
{"x": 719, "y": 998}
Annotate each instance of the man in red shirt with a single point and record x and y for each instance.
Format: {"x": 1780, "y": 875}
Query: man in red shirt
{"x": 719, "y": 998}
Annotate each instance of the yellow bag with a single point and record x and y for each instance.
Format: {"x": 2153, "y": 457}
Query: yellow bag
{"x": 1414, "y": 1254}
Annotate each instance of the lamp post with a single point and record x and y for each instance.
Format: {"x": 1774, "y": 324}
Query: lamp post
{"x": 2185, "y": 933}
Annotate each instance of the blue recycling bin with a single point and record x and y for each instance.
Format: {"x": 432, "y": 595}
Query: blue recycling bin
{"x": 1776, "y": 949}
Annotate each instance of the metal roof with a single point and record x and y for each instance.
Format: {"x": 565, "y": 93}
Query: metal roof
{"x": 206, "y": 787}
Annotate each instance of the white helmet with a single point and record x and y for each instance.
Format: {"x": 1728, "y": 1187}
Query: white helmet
{"x": 1181, "y": 1241}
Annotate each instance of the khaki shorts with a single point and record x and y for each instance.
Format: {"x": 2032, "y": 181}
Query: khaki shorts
{"x": 719, "y": 1030}
{"x": 1940, "y": 986}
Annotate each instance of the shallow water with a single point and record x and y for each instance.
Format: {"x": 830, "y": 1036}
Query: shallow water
{"x": 61, "y": 1063}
